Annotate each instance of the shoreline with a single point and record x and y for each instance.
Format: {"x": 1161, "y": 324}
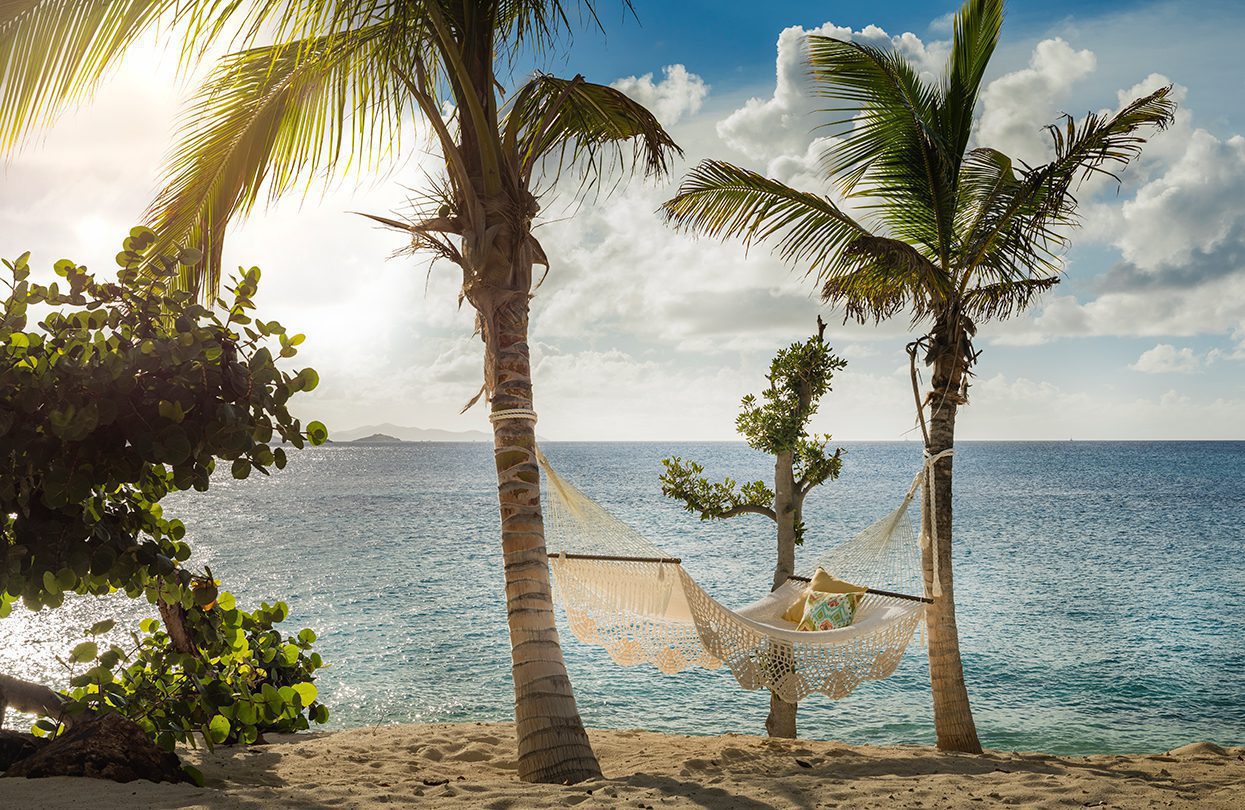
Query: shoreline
{"x": 472, "y": 765}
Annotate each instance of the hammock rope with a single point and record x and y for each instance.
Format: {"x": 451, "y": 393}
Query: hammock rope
{"x": 623, "y": 593}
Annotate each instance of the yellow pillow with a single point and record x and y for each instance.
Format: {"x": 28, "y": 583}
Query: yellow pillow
{"x": 821, "y": 583}
{"x": 825, "y": 583}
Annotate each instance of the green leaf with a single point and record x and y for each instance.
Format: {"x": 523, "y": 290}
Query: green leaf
{"x": 307, "y": 692}
{"x": 317, "y": 433}
{"x": 83, "y": 652}
{"x": 219, "y": 728}
{"x": 66, "y": 579}
{"x": 196, "y": 775}
{"x": 102, "y": 627}
{"x": 171, "y": 411}
{"x": 309, "y": 378}
{"x": 246, "y": 713}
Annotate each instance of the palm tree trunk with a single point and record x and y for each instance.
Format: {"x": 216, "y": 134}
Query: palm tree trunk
{"x": 953, "y": 716}
{"x": 553, "y": 746}
{"x": 781, "y": 721}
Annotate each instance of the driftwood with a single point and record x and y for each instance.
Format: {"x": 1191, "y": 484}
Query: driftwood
{"x": 17, "y": 745}
{"x": 106, "y": 746}
{"x": 32, "y": 698}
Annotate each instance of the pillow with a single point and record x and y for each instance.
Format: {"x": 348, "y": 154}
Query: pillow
{"x": 828, "y": 611}
{"x": 822, "y": 583}
{"x": 825, "y": 583}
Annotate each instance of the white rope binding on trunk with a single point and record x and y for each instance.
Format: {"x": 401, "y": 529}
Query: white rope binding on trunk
{"x": 512, "y": 413}
{"x": 929, "y": 540}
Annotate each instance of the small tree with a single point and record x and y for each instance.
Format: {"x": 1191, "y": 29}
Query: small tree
{"x": 799, "y": 376}
{"x": 125, "y": 391}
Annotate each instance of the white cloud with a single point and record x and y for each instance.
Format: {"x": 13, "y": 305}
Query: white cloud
{"x": 783, "y": 124}
{"x": 641, "y": 332}
{"x": 1190, "y": 212}
{"x": 677, "y": 95}
{"x": 1023, "y": 408}
{"x": 1177, "y": 221}
{"x": 1016, "y": 106}
{"x": 1167, "y": 359}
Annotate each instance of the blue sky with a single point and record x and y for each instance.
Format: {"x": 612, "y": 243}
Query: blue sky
{"x": 724, "y": 42}
{"x": 640, "y": 333}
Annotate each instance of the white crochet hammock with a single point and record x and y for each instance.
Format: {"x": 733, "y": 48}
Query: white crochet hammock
{"x": 623, "y": 593}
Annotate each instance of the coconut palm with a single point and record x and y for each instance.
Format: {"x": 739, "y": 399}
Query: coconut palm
{"x": 314, "y": 88}
{"x": 948, "y": 235}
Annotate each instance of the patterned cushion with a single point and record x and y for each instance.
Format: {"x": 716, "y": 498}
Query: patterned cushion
{"x": 821, "y": 582}
{"x": 828, "y": 611}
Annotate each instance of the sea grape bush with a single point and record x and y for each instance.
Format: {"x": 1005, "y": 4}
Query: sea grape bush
{"x": 123, "y": 392}
{"x": 245, "y": 678}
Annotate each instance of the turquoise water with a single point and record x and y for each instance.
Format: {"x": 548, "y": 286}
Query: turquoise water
{"x": 1101, "y": 587}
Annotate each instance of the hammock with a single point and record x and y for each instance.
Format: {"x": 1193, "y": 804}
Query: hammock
{"x": 623, "y": 593}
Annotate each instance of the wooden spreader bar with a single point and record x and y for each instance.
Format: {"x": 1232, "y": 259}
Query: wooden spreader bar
{"x": 612, "y": 558}
{"x": 877, "y": 592}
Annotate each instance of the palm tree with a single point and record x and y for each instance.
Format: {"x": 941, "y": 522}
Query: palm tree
{"x": 949, "y": 235}
{"x": 313, "y": 87}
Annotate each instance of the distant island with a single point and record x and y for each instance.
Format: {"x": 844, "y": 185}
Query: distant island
{"x": 377, "y": 438}
{"x": 392, "y": 434}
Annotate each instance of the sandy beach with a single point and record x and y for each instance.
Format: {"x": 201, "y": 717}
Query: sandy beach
{"x": 471, "y": 765}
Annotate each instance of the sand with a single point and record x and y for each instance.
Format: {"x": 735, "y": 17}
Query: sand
{"x": 472, "y": 765}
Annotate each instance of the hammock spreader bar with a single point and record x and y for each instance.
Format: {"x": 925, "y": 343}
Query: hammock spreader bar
{"x": 614, "y": 558}
{"x": 878, "y": 592}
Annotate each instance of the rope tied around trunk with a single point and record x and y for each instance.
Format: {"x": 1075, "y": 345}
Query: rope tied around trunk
{"x": 512, "y": 413}
{"x": 929, "y": 539}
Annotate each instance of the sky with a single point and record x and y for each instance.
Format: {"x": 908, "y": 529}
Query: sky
{"x": 641, "y": 333}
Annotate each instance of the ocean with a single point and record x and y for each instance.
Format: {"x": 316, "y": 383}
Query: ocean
{"x": 1100, "y": 587}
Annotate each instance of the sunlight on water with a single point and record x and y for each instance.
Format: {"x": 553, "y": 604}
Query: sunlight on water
{"x": 1099, "y": 587}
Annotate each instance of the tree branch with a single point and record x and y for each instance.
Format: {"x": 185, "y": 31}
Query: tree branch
{"x": 756, "y": 510}
{"x": 27, "y": 697}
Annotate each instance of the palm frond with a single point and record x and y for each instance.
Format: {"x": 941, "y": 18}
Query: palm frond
{"x": 873, "y": 293}
{"x": 1101, "y": 141}
{"x": 54, "y": 52}
{"x": 1004, "y": 238}
{"x": 872, "y": 277}
{"x": 1016, "y": 222}
{"x": 889, "y": 147}
{"x": 721, "y": 200}
{"x": 977, "y": 25}
{"x": 586, "y": 126}
{"x": 273, "y": 119}
{"x": 881, "y": 278}
{"x": 536, "y": 25}
{"x": 1002, "y": 300}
